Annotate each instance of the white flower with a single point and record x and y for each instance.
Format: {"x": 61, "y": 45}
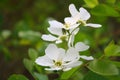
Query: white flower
{"x": 59, "y": 37}
{"x": 60, "y": 31}
{"x": 67, "y": 25}
{"x": 72, "y": 36}
{"x": 80, "y": 46}
{"x": 80, "y": 16}
{"x": 57, "y": 59}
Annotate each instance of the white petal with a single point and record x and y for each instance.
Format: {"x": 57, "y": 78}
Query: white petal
{"x": 58, "y": 41}
{"x": 53, "y": 68}
{"x": 80, "y": 46}
{"x": 62, "y": 54}
{"x": 93, "y": 25}
{"x": 70, "y": 20}
{"x": 74, "y": 26}
{"x": 48, "y": 37}
{"x": 52, "y": 52}
{"x": 56, "y": 31}
{"x": 84, "y": 15}
{"x": 44, "y": 61}
{"x": 72, "y": 36}
{"x": 66, "y": 69}
{"x": 73, "y": 10}
{"x": 73, "y": 64}
{"x": 71, "y": 55}
{"x": 55, "y": 24}
{"x": 71, "y": 40}
{"x": 74, "y": 31}
{"x": 87, "y": 57}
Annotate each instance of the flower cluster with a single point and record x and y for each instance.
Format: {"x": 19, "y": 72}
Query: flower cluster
{"x": 58, "y": 58}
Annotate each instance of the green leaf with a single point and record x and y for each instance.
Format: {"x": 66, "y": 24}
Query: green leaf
{"x": 5, "y": 34}
{"x": 29, "y": 35}
{"x": 28, "y": 64}
{"x": 39, "y": 68}
{"x": 92, "y": 76}
{"x": 6, "y": 52}
{"x": 112, "y": 50}
{"x": 91, "y": 3}
{"x": 110, "y": 1}
{"x": 32, "y": 54}
{"x": 116, "y": 63}
{"x": 17, "y": 77}
{"x": 66, "y": 75}
{"x": 118, "y": 5}
{"x": 104, "y": 10}
{"x": 40, "y": 76}
{"x": 103, "y": 67}
{"x": 114, "y": 77}
{"x": 78, "y": 75}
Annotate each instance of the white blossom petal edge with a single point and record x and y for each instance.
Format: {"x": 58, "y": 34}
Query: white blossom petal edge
{"x": 59, "y": 35}
{"x": 80, "y": 46}
{"x": 58, "y": 59}
{"x": 87, "y": 57}
{"x": 80, "y": 16}
{"x": 48, "y": 37}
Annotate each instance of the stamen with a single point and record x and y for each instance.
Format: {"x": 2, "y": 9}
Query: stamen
{"x": 67, "y": 26}
{"x": 63, "y": 37}
{"x": 58, "y": 63}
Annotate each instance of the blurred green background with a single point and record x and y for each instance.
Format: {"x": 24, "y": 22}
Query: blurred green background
{"x": 22, "y": 22}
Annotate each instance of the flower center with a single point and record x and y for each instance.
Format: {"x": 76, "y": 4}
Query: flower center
{"x": 58, "y": 63}
{"x": 63, "y": 37}
{"x": 67, "y": 26}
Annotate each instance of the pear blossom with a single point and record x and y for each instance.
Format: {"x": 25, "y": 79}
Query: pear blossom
{"x": 58, "y": 59}
{"x": 60, "y": 32}
{"x": 80, "y": 46}
{"x": 80, "y": 16}
{"x": 58, "y": 35}
{"x": 67, "y": 25}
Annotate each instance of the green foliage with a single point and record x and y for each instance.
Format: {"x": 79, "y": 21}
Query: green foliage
{"x": 110, "y": 1}
{"x": 28, "y": 64}
{"x": 91, "y": 3}
{"x": 5, "y": 34}
{"x": 114, "y": 77}
{"x": 112, "y": 50}
{"x": 92, "y": 76}
{"x": 22, "y": 23}
{"x": 105, "y": 10}
{"x": 31, "y": 66}
{"x": 32, "y": 54}
{"x": 17, "y": 77}
{"x": 103, "y": 67}
{"x": 78, "y": 75}
{"x": 29, "y": 36}
{"x": 6, "y": 52}
{"x": 40, "y": 76}
{"x": 117, "y": 63}
{"x": 66, "y": 75}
